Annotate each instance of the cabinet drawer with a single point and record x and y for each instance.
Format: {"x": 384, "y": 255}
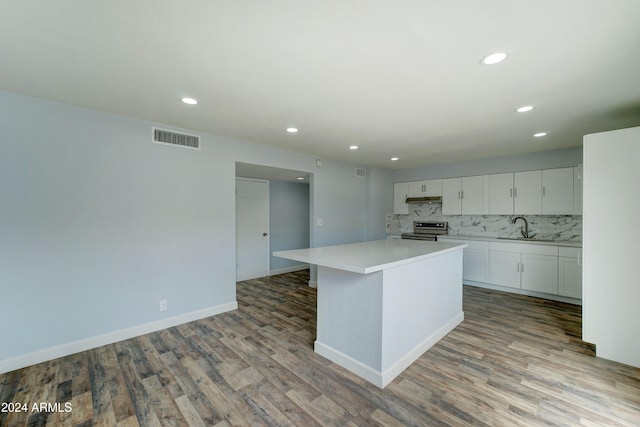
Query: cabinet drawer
{"x": 477, "y": 245}
{"x": 568, "y": 252}
{"x": 524, "y": 248}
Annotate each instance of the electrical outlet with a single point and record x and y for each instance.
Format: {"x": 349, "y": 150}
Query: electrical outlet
{"x": 163, "y": 305}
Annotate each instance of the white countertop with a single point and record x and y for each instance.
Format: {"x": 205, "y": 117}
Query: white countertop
{"x": 569, "y": 243}
{"x": 368, "y": 257}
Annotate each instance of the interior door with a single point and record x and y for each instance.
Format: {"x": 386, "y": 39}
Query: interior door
{"x": 252, "y": 228}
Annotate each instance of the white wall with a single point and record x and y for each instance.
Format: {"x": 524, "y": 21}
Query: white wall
{"x": 98, "y": 224}
{"x": 288, "y": 221}
{"x": 611, "y": 288}
{"x": 379, "y": 202}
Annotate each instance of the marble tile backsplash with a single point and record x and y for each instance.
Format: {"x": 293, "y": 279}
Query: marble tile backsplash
{"x": 557, "y": 227}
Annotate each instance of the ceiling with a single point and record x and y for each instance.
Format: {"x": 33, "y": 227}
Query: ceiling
{"x": 397, "y": 78}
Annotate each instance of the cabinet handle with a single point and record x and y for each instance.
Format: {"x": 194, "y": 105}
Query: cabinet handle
{"x": 518, "y": 267}
{"x": 459, "y": 195}
{"x": 522, "y": 268}
{"x": 544, "y": 191}
{"x": 511, "y": 193}
{"x": 462, "y": 194}
{"x": 515, "y": 192}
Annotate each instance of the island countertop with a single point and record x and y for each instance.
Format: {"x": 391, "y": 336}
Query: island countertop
{"x": 369, "y": 257}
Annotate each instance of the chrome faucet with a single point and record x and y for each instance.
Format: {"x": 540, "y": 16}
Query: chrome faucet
{"x": 523, "y": 230}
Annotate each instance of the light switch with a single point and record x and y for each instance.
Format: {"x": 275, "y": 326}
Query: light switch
{"x": 320, "y": 222}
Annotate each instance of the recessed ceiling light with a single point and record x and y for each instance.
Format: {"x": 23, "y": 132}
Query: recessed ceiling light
{"x": 525, "y": 109}
{"x": 539, "y": 134}
{"x": 300, "y": 178}
{"x": 189, "y": 101}
{"x": 394, "y": 159}
{"x": 494, "y": 58}
{"x": 353, "y": 147}
{"x": 292, "y": 130}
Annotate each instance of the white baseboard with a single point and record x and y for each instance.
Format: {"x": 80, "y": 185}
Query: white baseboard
{"x": 526, "y": 292}
{"x": 413, "y": 355}
{"x": 289, "y": 269}
{"x": 51, "y": 353}
{"x": 349, "y": 363}
{"x": 379, "y": 378}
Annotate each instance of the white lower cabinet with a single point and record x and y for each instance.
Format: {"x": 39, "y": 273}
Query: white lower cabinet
{"x": 475, "y": 259}
{"x": 529, "y": 267}
{"x": 570, "y": 272}
{"x": 518, "y": 265}
{"x": 540, "y": 272}
{"x": 504, "y": 268}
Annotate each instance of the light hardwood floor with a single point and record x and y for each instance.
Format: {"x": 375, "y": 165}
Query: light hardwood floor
{"x": 515, "y": 360}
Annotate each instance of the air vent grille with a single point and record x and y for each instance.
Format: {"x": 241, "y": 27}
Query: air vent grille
{"x": 185, "y": 140}
{"x": 361, "y": 172}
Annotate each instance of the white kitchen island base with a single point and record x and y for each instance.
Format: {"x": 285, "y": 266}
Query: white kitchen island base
{"x": 375, "y": 320}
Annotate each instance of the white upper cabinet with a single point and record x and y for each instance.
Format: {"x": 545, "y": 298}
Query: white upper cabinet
{"x": 500, "y": 194}
{"x": 577, "y": 190}
{"x": 400, "y": 193}
{"x": 452, "y": 196}
{"x": 473, "y": 193}
{"x": 547, "y": 192}
{"x": 417, "y": 189}
{"x": 429, "y": 188}
{"x": 434, "y": 187}
{"x": 538, "y": 192}
{"x": 527, "y": 193}
{"x": 464, "y": 196}
{"x": 557, "y": 191}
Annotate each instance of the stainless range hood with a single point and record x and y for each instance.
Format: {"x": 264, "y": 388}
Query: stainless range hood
{"x": 430, "y": 199}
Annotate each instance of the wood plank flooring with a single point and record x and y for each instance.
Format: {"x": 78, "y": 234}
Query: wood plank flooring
{"x": 514, "y": 361}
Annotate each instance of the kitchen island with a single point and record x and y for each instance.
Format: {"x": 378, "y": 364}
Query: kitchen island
{"x": 382, "y": 304}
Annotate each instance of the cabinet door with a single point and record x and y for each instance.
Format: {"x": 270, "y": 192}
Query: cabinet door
{"x": 557, "y": 191}
{"x": 500, "y": 194}
{"x": 451, "y": 196}
{"x": 504, "y": 268}
{"x": 472, "y": 195}
{"x": 475, "y": 259}
{"x": 527, "y": 193}
{"x": 417, "y": 188}
{"x": 434, "y": 188}
{"x": 540, "y": 273}
{"x": 577, "y": 190}
{"x": 475, "y": 265}
{"x": 400, "y": 192}
{"x": 569, "y": 277}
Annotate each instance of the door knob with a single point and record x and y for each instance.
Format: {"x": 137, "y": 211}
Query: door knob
{"x": 264, "y": 234}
